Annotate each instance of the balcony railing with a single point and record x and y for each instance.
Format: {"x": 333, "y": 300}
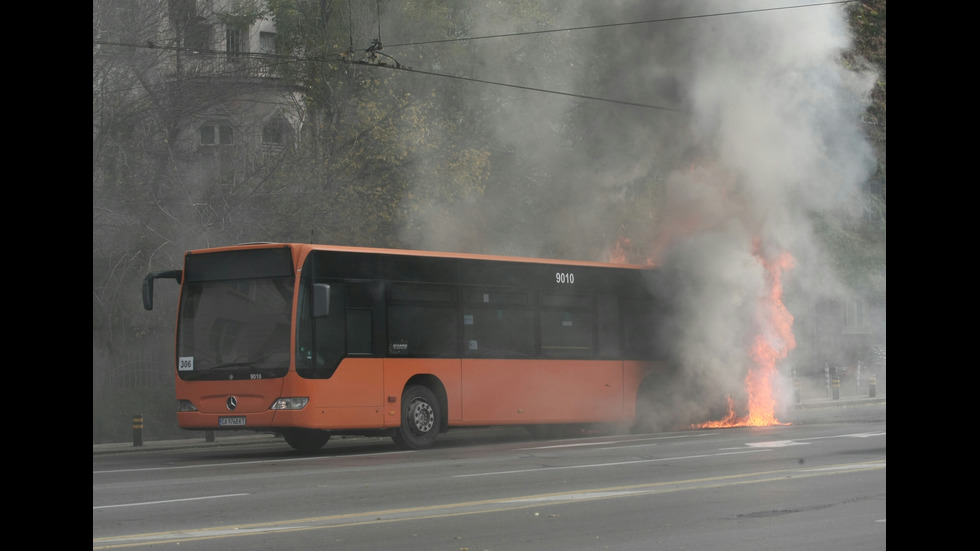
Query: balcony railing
{"x": 233, "y": 65}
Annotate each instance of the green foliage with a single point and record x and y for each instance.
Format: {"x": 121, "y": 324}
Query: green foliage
{"x": 858, "y": 246}
{"x": 857, "y": 252}
{"x": 376, "y": 145}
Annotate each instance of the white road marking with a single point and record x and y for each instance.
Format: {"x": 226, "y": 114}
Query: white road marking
{"x": 776, "y": 444}
{"x": 613, "y": 464}
{"x": 165, "y": 501}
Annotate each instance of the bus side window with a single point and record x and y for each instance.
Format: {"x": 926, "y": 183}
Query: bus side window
{"x": 497, "y": 323}
{"x": 566, "y": 326}
{"x": 361, "y": 301}
{"x": 359, "y": 331}
{"x": 421, "y": 320}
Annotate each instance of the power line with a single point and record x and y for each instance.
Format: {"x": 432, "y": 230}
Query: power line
{"x": 344, "y": 56}
{"x": 568, "y": 29}
{"x": 297, "y": 59}
{"x": 556, "y": 92}
{"x": 606, "y": 25}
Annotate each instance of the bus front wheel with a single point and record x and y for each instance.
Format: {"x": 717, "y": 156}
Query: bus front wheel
{"x": 421, "y": 419}
{"x": 306, "y": 440}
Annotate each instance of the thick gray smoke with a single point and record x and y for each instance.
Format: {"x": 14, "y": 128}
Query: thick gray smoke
{"x": 775, "y": 133}
{"x": 759, "y": 129}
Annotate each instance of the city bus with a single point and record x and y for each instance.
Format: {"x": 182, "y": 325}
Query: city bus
{"x": 309, "y": 341}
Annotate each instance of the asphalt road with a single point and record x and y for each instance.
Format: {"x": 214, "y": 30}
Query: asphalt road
{"x": 817, "y": 407}
{"x": 816, "y": 483}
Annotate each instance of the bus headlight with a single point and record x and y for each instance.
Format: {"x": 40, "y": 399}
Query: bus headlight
{"x": 185, "y": 405}
{"x": 289, "y": 403}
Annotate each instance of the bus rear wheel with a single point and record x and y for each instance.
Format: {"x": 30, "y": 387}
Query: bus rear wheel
{"x": 421, "y": 419}
{"x": 306, "y": 440}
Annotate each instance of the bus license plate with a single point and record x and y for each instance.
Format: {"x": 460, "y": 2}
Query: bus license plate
{"x": 231, "y": 421}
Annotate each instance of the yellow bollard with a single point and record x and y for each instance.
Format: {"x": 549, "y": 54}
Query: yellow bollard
{"x": 138, "y": 430}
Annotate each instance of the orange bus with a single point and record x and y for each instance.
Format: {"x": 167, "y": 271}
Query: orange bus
{"x": 310, "y": 341}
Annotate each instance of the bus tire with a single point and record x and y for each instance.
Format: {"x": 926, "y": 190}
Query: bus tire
{"x": 420, "y": 421}
{"x": 306, "y": 440}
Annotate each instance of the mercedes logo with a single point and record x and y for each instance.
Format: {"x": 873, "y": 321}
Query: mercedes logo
{"x": 231, "y": 403}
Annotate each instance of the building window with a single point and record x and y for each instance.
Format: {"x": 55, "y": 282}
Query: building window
{"x": 274, "y": 132}
{"x": 234, "y": 42}
{"x": 216, "y": 134}
{"x": 267, "y": 42}
{"x": 197, "y": 35}
{"x": 193, "y": 30}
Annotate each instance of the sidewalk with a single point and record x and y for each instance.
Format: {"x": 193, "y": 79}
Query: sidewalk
{"x": 244, "y": 437}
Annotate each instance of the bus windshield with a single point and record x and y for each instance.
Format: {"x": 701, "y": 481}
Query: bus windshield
{"x": 231, "y": 329}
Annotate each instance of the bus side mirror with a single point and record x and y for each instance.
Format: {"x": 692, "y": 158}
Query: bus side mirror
{"x": 148, "y": 285}
{"x": 321, "y": 300}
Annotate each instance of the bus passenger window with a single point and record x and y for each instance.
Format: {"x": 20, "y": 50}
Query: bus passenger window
{"x": 358, "y": 331}
{"x": 415, "y": 330}
{"x": 566, "y": 326}
{"x": 362, "y": 298}
{"x": 421, "y": 320}
{"x": 566, "y": 334}
{"x": 497, "y": 323}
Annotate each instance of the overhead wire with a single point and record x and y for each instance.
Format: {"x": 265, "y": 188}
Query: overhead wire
{"x": 374, "y": 50}
{"x": 531, "y": 88}
{"x": 623, "y": 24}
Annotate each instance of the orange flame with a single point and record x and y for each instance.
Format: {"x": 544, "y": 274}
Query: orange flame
{"x": 620, "y": 253}
{"x": 771, "y": 345}
{"x": 623, "y": 253}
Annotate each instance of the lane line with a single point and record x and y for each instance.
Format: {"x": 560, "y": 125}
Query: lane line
{"x": 473, "y": 507}
{"x": 616, "y": 441}
{"x": 165, "y": 501}
{"x": 613, "y": 464}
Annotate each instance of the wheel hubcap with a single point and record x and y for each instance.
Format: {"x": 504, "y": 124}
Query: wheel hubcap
{"x": 424, "y": 416}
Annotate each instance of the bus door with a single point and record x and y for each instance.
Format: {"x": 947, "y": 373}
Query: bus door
{"x": 339, "y": 353}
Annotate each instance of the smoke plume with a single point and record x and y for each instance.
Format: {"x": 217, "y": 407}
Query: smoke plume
{"x": 750, "y": 126}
